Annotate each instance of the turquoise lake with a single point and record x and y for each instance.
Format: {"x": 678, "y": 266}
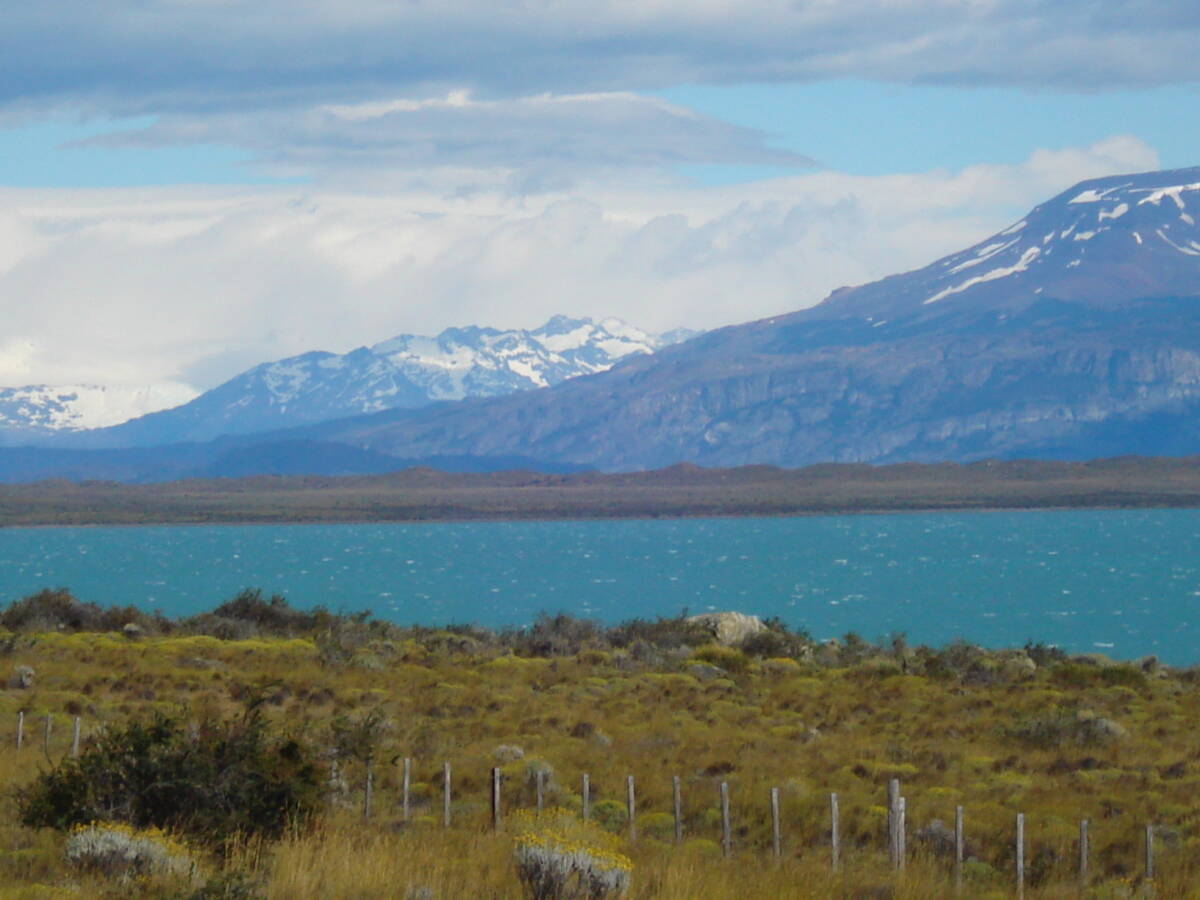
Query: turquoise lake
{"x": 1124, "y": 583}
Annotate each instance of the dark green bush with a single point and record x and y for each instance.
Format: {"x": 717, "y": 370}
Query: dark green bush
{"x": 209, "y": 780}
{"x": 59, "y": 610}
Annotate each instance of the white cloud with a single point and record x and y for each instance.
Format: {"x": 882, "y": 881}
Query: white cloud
{"x": 545, "y": 139}
{"x": 141, "y": 286}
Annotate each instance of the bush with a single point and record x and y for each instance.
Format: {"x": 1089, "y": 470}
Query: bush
{"x": 59, "y": 610}
{"x": 560, "y": 857}
{"x": 727, "y": 658}
{"x": 249, "y": 615}
{"x": 121, "y": 850}
{"x": 210, "y": 781}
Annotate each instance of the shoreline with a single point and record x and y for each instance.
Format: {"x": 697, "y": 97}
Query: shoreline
{"x": 678, "y": 492}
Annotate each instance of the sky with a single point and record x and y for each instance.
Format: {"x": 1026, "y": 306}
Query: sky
{"x": 192, "y": 187}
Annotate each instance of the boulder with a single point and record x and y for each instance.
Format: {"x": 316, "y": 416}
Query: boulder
{"x": 22, "y": 677}
{"x": 729, "y": 628}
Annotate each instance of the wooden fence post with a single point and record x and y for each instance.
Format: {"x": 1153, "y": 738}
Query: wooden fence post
{"x": 1020, "y": 854}
{"x": 405, "y": 788}
{"x": 726, "y": 833}
{"x": 835, "y": 845}
{"x": 367, "y": 790}
{"x": 496, "y": 799}
{"x": 677, "y": 802}
{"x": 75, "y": 737}
{"x": 1083, "y": 852}
{"x": 446, "y": 795}
{"x": 902, "y": 832}
{"x": 893, "y": 821}
{"x": 587, "y": 796}
{"x": 631, "y": 807}
{"x": 20, "y": 729}
{"x": 775, "y": 837}
{"x": 46, "y": 737}
{"x": 958, "y": 847}
{"x": 1149, "y": 852}
{"x": 539, "y": 779}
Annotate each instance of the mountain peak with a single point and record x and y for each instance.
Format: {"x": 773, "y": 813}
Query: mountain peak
{"x": 1104, "y": 241}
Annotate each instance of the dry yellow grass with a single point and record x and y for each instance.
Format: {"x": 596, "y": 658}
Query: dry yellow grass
{"x": 805, "y": 729}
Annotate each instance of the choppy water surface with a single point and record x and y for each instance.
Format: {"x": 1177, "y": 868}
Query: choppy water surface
{"x": 1122, "y": 583}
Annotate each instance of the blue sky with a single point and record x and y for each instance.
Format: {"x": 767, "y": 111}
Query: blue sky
{"x": 190, "y": 188}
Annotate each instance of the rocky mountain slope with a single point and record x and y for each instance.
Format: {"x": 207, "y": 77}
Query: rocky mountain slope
{"x": 404, "y": 372}
{"x": 1074, "y": 333}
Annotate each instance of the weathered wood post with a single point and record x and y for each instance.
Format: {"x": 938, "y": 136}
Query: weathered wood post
{"x": 1083, "y": 853}
{"x": 1020, "y": 854}
{"x": 893, "y": 822}
{"x": 445, "y": 795}
{"x": 1149, "y": 852}
{"x": 368, "y": 787}
{"x": 20, "y": 729}
{"x": 539, "y": 780}
{"x": 631, "y": 807}
{"x": 902, "y": 832}
{"x": 75, "y": 737}
{"x": 958, "y": 847}
{"x": 677, "y": 803}
{"x": 586, "y": 796}
{"x": 46, "y": 737}
{"x": 405, "y": 790}
{"x": 726, "y": 832}
{"x": 776, "y": 844}
{"x": 835, "y": 845}
{"x": 496, "y": 798}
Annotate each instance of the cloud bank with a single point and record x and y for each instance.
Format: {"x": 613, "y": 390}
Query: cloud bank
{"x": 141, "y": 286}
{"x": 155, "y": 56}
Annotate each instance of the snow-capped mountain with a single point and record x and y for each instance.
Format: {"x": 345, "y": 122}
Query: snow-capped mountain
{"x": 1101, "y": 242}
{"x": 403, "y": 372}
{"x": 41, "y": 408}
{"x": 1074, "y": 333}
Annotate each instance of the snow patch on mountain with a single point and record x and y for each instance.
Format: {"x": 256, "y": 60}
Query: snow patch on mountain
{"x": 73, "y": 407}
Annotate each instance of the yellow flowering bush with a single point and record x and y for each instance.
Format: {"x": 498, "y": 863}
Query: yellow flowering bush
{"x": 561, "y": 857}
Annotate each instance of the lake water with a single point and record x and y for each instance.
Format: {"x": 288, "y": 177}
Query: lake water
{"x": 1118, "y": 582}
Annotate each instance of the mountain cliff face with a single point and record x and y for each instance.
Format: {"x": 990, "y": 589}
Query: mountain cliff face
{"x": 1073, "y": 333}
{"x": 404, "y": 372}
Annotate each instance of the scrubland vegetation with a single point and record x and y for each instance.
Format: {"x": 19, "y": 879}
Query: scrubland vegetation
{"x": 214, "y": 738}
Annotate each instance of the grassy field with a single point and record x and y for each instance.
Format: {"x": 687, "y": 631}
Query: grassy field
{"x": 425, "y": 494}
{"x": 1029, "y": 731}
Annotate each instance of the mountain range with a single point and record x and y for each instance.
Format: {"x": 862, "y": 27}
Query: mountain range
{"x": 404, "y": 372}
{"x": 1074, "y": 333}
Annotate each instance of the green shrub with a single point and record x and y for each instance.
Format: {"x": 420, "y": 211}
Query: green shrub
{"x": 211, "y": 781}
{"x": 727, "y": 658}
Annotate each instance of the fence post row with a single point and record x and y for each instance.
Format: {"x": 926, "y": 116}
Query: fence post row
{"x": 896, "y": 817}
